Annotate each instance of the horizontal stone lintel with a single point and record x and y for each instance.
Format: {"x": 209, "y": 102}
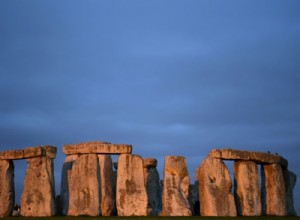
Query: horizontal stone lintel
{"x": 29, "y": 152}
{"x": 259, "y": 157}
{"x": 96, "y": 147}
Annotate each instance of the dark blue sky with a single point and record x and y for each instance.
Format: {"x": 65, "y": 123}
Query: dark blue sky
{"x": 169, "y": 77}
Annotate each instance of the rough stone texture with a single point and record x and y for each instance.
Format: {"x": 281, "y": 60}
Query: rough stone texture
{"x": 153, "y": 186}
{"x": 7, "y": 192}
{"x": 175, "y": 187}
{"x": 84, "y": 190}
{"x": 194, "y": 199}
{"x": 214, "y": 181}
{"x": 259, "y": 157}
{"x": 273, "y": 190}
{"x": 290, "y": 181}
{"x": 65, "y": 183}
{"x": 29, "y": 152}
{"x": 247, "y": 189}
{"x": 131, "y": 196}
{"x": 38, "y": 197}
{"x": 107, "y": 194}
{"x": 97, "y": 148}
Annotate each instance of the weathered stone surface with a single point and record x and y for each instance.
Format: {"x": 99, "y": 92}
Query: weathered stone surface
{"x": 153, "y": 186}
{"x": 247, "y": 189}
{"x": 107, "y": 194}
{"x": 259, "y": 157}
{"x": 29, "y": 152}
{"x": 7, "y": 192}
{"x": 97, "y": 148}
{"x": 175, "y": 187}
{"x": 273, "y": 190}
{"x": 290, "y": 181}
{"x": 38, "y": 197}
{"x": 84, "y": 191}
{"x": 215, "y": 194}
{"x": 131, "y": 197}
{"x": 65, "y": 182}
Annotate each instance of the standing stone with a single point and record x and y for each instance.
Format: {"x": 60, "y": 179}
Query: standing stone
{"x": 247, "y": 192}
{"x": 215, "y": 194}
{"x": 131, "y": 198}
{"x": 153, "y": 187}
{"x": 84, "y": 190}
{"x": 65, "y": 182}
{"x": 290, "y": 182}
{"x": 175, "y": 187}
{"x": 273, "y": 190}
{"x": 107, "y": 194}
{"x": 38, "y": 197}
{"x": 7, "y": 192}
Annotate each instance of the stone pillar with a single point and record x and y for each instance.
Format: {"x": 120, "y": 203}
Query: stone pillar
{"x": 38, "y": 197}
{"x": 153, "y": 187}
{"x": 131, "y": 198}
{"x": 215, "y": 194}
{"x": 290, "y": 181}
{"x": 175, "y": 187}
{"x": 84, "y": 190}
{"x": 65, "y": 183}
{"x": 7, "y": 191}
{"x": 247, "y": 190}
{"x": 273, "y": 190}
{"x": 107, "y": 194}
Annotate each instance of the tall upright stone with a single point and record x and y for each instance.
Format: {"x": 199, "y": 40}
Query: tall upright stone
{"x": 247, "y": 191}
{"x": 84, "y": 190}
{"x": 175, "y": 187}
{"x": 65, "y": 182}
{"x": 131, "y": 195}
{"x": 215, "y": 185}
{"x": 153, "y": 186}
{"x": 38, "y": 197}
{"x": 7, "y": 192}
{"x": 290, "y": 179}
{"x": 107, "y": 194}
{"x": 273, "y": 190}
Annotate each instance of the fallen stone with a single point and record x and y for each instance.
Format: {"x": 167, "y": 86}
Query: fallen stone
{"x": 290, "y": 179}
{"x": 84, "y": 191}
{"x": 215, "y": 184}
{"x": 273, "y": 190}
{"x": 97, "y": 148}
{"x": 153, "y": 186}
{"x": 65, "y": 182}
{"x": 259, "y": 157}
{"x": 107, "y": 194}
{"x": 131, "y": 195}
{"x": 175, "y": 187}
{"x": 247, "y": 189}
{"x": 7, "y": 192}
{"x": 29, "y": 152}
{"x": 38, "y": 197}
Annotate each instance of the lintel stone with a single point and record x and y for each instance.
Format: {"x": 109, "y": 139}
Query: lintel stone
{"x": 259, "y": 157}
{"x": 97, "y": 147}
{"x": 29, "y": 152}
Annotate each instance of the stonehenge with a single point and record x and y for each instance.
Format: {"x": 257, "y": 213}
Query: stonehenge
{"x": 93, "y": 185}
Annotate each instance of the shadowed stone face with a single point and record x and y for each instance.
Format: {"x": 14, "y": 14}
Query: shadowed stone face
{"x": 131, "y": 195}
{"x": 7, "y": 192}
{"x": 214, "y": 189}
{"x": 247, "y": 192}
{"x": 273, "y": 190}
{"x": 153, "y": 187}
{"x": 290, "y": 181}
{"x": 175, "y": 187}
